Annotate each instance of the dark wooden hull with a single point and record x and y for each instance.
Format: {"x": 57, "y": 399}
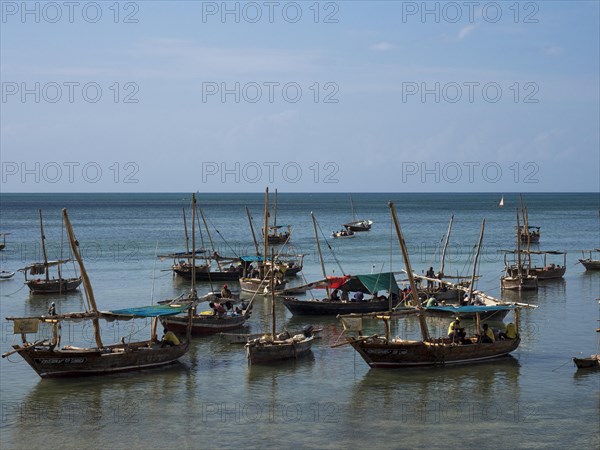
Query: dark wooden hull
{"x": 533, "y": 238}
{"x": 278, "y": 240}
{"x": 204, "y": 324}
{"x": 380, "y": 353}
{"x": 331, "y": 308}
{"x": 358, "y": 226}
{"x": 292, "y": 272}
{"x": 593, "y": 362}
{"x": 53, "y": 286}
{"x": 209, "y": 276}
{"x": 590, "y": 264}
{"x": 261, "y": 353}
{"x": 544, "y": 274}
{"x": 73, "y": 362}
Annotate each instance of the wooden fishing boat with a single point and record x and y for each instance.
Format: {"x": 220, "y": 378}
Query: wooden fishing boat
{"x": 49, "y": 360}
{"x": 517, "y": 276}
{"x": 590, "y": 263}
{"x": 227, "y": 268}
{"x": 357, "y": 225}
{"x": 6, "y": 275}
{"x": 387, "y": 352}
{"x": 272, "y": 346}
{"x": 47, "y": 285}
{"x": 593, "y": 362}
{"x": 209, "y": 322}
{"x": 343, "y": 234}
{"x": 277, "y": 234}
{"x": 333, "y": 307}
{"x": 546, "y": 271}
{"x": 526, "y": 233}
{"x": 243, "y": 338}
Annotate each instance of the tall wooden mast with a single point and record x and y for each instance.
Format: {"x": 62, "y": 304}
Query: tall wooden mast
{"x": 446, "y": 246}
{"x": 411, "y": 279}
{"x": 314, "y": 220}
{"x": 89, "y": 292}
{"x": 266, "y": 235}
{"x": 187, "y": 239}
{"x": 212, "y": 245}
{"x": 46, "y": 268}
{"x": 252, "y": 229}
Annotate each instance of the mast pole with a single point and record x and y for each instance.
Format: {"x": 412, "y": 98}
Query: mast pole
{"x": 44, "y": 248}
{"x": 252, "y": 229}
{"x": 314, "y": 220}
{"x": 89, "y": 292}
{"x": 187, "y": 239}
{"x": 212, "y": 245}
{"x": 519, "y": 269}
{"x": 446, "y": 246}
{"x": 411, "y": 279}
{"x": 266, "y": 235}
{"x": 275, "y": 211}
{"x": 477, "y": 317}
{"x": 193, "y": 289}
{"x": 273, "y": 324}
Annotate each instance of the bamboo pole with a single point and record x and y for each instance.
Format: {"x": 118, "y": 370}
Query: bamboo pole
{"x": 411, "y": 279}
{"x": 265, "y": 235}
{"x": 212, "y": 245}
{"x": 187, "y": 239}
{"x": 89, "y": 292}
{"x": 314, "y": 220}
{"x": 252, "y": 230}
{"x": 44, "y": 248}
{"x": 446, "y": 246}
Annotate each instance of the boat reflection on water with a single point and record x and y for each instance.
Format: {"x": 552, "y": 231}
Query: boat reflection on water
{"x": 426, "y": 396}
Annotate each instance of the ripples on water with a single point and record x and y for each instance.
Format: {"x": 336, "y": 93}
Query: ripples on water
{"x": 330, "y": 399}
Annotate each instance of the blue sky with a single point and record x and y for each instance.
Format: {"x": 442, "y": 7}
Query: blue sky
{"x": 365, "y": 96}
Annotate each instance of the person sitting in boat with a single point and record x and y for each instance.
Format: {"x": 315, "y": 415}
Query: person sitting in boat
{"x": 217, "y": 308}
{"x": 431, "y": 302}
{"x": 358, "y": 296}
{"x": 225, "y": 292}
{"x": 511, "y": 332}
{"x": 455, "y": 331}
{"x": 52, "y": 309}
{"x": 344, "y": 296}
{"x": 169, "y": 339}
{"x": 488, "y": 335}
{"x": 334, "y": 295}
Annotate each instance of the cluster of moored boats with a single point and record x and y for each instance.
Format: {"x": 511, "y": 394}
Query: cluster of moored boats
{"x": 352, "y": 298}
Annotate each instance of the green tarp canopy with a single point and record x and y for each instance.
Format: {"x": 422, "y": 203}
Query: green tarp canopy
{"x": 371, "y": 283}
{"x": 147, "y": 311}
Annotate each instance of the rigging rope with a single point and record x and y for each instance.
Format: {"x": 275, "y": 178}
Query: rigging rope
{"x": 330, "y": 249}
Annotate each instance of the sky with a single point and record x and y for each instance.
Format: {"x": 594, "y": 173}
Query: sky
{"x": 346, "y": 96}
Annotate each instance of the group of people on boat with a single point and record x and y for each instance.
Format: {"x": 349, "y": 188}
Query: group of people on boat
{"x": 456, "y": 333}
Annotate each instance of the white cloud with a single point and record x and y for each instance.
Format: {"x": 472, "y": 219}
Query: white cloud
{"x": 382, "y": 47}
{"x": 465, "y": 31}
{"x": 553, "y": 51}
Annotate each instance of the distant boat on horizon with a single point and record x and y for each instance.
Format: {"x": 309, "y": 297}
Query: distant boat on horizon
{"x": 501, "y": 205}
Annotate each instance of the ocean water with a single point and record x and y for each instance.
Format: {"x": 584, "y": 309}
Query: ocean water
{"x": 330, "y": 399}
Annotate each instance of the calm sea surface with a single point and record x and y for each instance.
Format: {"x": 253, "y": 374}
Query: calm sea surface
{"x": 331, "y": 399}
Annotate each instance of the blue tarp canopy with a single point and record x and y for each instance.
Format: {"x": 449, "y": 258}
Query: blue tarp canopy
{"x": 471, "y": 308}
{"x": 147, "y": 311}
{"x": 252, "y": 258}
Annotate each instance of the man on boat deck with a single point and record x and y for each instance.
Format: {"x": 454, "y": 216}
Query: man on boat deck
{"x": 225, "y": 292}
{"x": 52, "y": 310}
{"x": 430, "y": 274}
{"x": 334, "y": 295}
{"x": 344, "y": 296}
{"x": 170, "y": 339}
{"x": 456, "y": 331}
